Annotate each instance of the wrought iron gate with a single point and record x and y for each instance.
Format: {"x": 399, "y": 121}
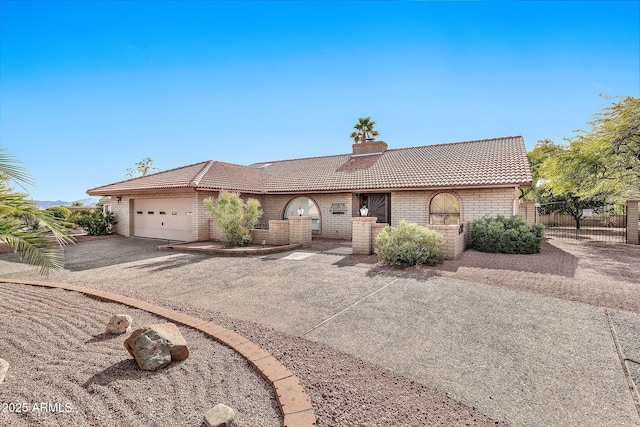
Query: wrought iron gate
{"x": 606, "y": 223}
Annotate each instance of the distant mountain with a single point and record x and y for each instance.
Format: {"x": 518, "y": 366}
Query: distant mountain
{"x": 43, "y": 204}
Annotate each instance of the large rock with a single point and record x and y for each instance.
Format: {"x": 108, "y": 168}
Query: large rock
{"x": 119, "y": 324}
{"x": 155, "y": 346}
{"x": 4, "y": 368}
{"x": 219, "y": 416}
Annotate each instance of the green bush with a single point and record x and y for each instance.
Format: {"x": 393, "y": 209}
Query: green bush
{"x": 94, "y": 222}
{"x": 506, "y": 235}
{"x": 234, "y": 217}
{"x": 409, "y": 244}
{"x": 63, "y": 215}
{"x": 59, "y": 212}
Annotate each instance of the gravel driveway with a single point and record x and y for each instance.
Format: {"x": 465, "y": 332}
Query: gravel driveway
{"x": 524, "y": 340}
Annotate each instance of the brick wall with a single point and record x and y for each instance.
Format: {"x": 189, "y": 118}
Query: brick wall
{"x": 633, "y": 235}
{"x": 122, "y": 215}
{"x": 337, "y": 226}
{"x": 454, "y": 242}
{"x": 361, "y": 237}
{"x": 200, "y": 227}
{"x": 300, "y": 230}
{"x": 413, "y": 206}
{"x": 279, "y": 232}
{"x": 528, "y": 211}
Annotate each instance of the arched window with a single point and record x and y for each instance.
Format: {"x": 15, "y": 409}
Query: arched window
{"x": 309, "y": 208}
{"x": 444, "y": 209}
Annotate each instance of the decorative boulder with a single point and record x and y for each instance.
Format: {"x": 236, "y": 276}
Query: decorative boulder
{"x": 155, "y": 346}
{"x": 119, "y": 324}
{"x": 4, "y": 368}
{"x": 219, "y": 416}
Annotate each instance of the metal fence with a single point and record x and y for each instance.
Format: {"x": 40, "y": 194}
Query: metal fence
{"x": 606, "y": 223}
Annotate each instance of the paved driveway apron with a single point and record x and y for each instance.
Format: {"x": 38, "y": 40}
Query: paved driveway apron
{"x": 523, "y": 358}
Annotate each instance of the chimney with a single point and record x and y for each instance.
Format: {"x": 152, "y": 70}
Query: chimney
{"x": 369, "y": 147}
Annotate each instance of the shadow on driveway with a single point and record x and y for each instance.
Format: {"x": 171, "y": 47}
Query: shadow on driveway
{"x": 111, "y": 252}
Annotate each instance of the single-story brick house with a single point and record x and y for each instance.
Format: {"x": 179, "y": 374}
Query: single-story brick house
{"x": 434, "y": 184}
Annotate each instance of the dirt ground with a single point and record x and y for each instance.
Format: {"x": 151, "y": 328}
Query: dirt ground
{"x": 346, "y": 391}
{"x": 598, "y": 273}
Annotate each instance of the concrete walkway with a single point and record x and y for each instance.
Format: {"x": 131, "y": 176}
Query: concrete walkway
{"x": 523, "y": 358}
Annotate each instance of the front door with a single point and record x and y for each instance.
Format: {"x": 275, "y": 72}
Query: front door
{"x": 379, "y": 205}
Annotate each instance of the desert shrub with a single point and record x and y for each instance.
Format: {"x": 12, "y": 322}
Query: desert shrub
{"x": 506, "y": 235}
{"x": 59, "y": 212}
{"x": 234, "y": 216}
{"x": 63, "y": 215}
{"x": 95, "y": 222}
{"x": 409, "y": 244}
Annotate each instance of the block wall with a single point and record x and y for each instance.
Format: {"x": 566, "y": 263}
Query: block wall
{"x": 279, "y": 232}
{"x": 361, "y": 238}
{"x": 633, "y": 235}
{"x": 300, "y": 230}
{"x": 332, "y": 225}
{"x": 413, "y": 206}
{"x": 528, "y": 211}
{"x": 122, "y": 215}
{"x": 200, "y": 226}
{"x": 454, "y": 242}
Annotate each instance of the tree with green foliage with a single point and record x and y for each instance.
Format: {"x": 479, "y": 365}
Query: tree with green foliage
{"x": 604, "y": 162}
{"x": 41, "y": 245}
{"x": 234, "y": 216}
{"x": 143, "y": 167}
{"x": 364, "y": 130}
{"x": 77, "y": 203}
{"x": 568, "y": 203}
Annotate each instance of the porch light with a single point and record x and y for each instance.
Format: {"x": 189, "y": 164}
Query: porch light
{"x": 300, "y": 211}
{"x": 118, "y": 198}
{"x": 364, "y": 211}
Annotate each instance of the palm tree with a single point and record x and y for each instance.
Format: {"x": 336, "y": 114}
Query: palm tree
{"x": 34, "y": 234}
{"x": 364, "y": 130}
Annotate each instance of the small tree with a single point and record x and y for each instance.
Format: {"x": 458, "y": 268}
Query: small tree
{"x": 569, "y": 204}
{"x": 143, "y": 167}
{"x": 234, "y": 216}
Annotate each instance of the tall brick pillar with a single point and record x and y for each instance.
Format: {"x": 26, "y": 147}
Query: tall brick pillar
{"x": 632, "y": 222}
{"x": 300, "y": 230}
{"x": 361, "y": 235}
{"x": 528, "y": 211}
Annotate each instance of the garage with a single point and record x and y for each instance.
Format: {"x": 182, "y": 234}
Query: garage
{"x": 168, "y": 219}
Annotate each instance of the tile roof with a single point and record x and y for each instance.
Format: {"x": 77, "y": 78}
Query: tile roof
{"x": 488, "y": 162}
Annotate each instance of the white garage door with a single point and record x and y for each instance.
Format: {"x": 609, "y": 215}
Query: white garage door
{"x": 162, "y": 218}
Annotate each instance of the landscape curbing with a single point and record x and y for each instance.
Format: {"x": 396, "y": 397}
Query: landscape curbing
{"x": 232, "y": 252}
{"x": 295, "y": 406}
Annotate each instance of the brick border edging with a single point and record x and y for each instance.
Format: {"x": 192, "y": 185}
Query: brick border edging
{"x": 182, "y": 247}
{"x": 294, "y": 403}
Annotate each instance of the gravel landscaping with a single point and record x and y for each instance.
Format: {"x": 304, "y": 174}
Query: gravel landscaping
{"x": 345, "y": 391}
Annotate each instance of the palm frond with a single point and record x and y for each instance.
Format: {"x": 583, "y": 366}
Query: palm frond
{"x": 35, "y": 247}
{"x": 10, "y": 170}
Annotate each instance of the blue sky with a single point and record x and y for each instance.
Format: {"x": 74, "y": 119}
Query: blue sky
{"x": 87, "y": 89}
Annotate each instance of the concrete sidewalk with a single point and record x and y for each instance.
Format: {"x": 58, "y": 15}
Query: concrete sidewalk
{"x": 515, "y": 356}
